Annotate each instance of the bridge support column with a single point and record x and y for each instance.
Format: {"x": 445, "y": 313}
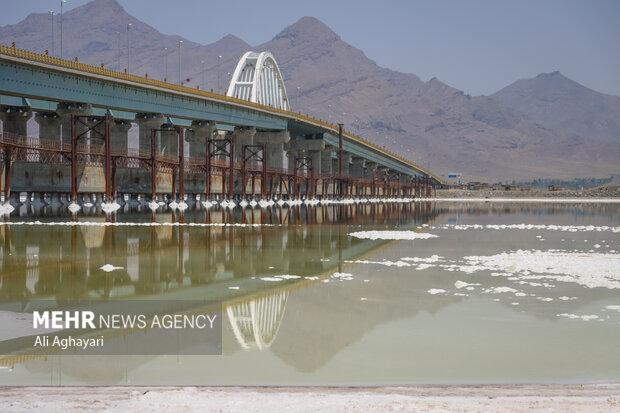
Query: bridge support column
{"x": 371, "y": 172}
{"x": 49, "y": 128}
{"x": 357, "y": 173}
{"x": 147, "y": 122}
{"x": 274, "y": 143}
{"x": 14, "y": 121}
{"x": 326, "y": 170}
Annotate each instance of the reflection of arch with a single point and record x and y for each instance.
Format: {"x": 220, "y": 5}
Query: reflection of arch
{"x": 256, "y": 322}
{"x": 257, "y": 78}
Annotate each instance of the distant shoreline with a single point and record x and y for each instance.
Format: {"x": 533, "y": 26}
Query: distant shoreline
{"x": 606, "y": 194}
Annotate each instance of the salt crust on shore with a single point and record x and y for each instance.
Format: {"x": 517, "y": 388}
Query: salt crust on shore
{"x": 570, "y": 398}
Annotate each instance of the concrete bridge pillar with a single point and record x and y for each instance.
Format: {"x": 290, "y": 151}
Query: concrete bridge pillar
{"x": 49, "y": 125}
{"x": 316, "y": 162}
{"x": 327, "y": 160}
{"x": 168, "y": 142}
{"x": 15, "y": 119}
{"x": 242, "y": 136}
{"x": 291, "y": 155}
{"x": 147, "y": 122}
{"x": 197, "y": 136}
{"x": 357, "y": 167}
{"x": 346, "y": 163}
{"x": 65, "y": 110}
{"x": 274, "y": 145}
{"x": 119, "y": 138}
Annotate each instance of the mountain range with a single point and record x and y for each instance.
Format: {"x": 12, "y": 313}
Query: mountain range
{"x": 545, "y": 127}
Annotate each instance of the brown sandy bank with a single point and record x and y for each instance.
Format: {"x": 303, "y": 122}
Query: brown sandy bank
{"x": 484, "y": 398}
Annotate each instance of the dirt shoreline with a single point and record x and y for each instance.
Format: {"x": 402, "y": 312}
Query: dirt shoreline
{"x": 606, "y": 192}
{"x": 601, "y": 397}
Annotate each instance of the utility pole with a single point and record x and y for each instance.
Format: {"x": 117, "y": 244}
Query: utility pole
{"x": 62, "y": 2}
{"x": 51, "y": 12}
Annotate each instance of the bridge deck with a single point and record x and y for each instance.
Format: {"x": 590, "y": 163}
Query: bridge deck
{"x": 26, "y": 74}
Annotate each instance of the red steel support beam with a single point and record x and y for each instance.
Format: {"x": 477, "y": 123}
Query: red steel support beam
{"x": 207, "y": 168}
{"x": 340, "y": 158}
{"x": 231, "y": 178}
{"x": 7, "y": 174}
{"x": 153, "y": 166}
{"x": 181, "y": 164}
{"x": 107, "y": 168}
{"x": 73, "y": 159}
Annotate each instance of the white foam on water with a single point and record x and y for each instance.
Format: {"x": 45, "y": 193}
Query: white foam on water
{"x": 585, "y": 317}
{"x": 391, "y": 235}
{"x": 563, "y": 228}
{"x": 109, "y": 268}
{"x": 434, "y": 291}
{"x": 587, "y": 269}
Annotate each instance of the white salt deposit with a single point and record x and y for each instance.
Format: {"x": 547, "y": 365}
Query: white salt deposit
{"x": 613, "y": 307}
{"x": 586, "y": 317}
{"x": 182, "y": 206}
{"x": 6, "y": 209}
{"x": 73, "y": 207}
{"x": 462, "y": 284}
{"x": 434, "y": 291}
{"x": 499, "y": 290}
{"x": 109, "y": 268}
{"x": 233, "y": 287}
{"x": 386, "y": 263}
{"x": 153, "y": 205}
{"x": 344, "y": 276}
{"x": 564, "y": 228}
{"x": 587, "y": 269}
{"x": 109, "y": 207}
{"x": 282, "y": 277}
{"x": 565, "y": 298}
{"x": 391, "y": 235}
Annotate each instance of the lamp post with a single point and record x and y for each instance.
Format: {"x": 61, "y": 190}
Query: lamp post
{"x": 62, "y": 2}
{"x": 203, "y": 74}
{"x": 118, "y": 51}
{"x": 219, "y": 85}
{"x": 128, "y": 45}
{"x": 165, "y": 64}
{"x": 180, "y": 44}
{"x": 51, "y": 12}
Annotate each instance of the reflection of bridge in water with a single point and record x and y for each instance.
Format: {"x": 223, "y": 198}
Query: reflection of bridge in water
{"x": 175, "y": 262}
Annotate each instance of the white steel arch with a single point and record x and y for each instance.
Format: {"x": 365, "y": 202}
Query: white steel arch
{"x": 257, "y": 78}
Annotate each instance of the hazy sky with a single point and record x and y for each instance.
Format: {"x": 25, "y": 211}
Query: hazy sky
{"x": 478, "y": 46}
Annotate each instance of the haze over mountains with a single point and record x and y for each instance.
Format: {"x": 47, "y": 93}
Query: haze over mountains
{"x": 548, "y": 126}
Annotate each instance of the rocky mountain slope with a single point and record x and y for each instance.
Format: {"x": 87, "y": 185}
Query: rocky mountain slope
{"x": 504, "y": 136}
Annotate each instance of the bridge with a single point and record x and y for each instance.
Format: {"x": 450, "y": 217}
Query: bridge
{"x": 190, "y": 142}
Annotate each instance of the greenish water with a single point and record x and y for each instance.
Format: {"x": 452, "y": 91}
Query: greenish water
{"x": 476, "y": 303}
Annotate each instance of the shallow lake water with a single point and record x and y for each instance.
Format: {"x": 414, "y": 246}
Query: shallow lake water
{"x": 442, "y": 292}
